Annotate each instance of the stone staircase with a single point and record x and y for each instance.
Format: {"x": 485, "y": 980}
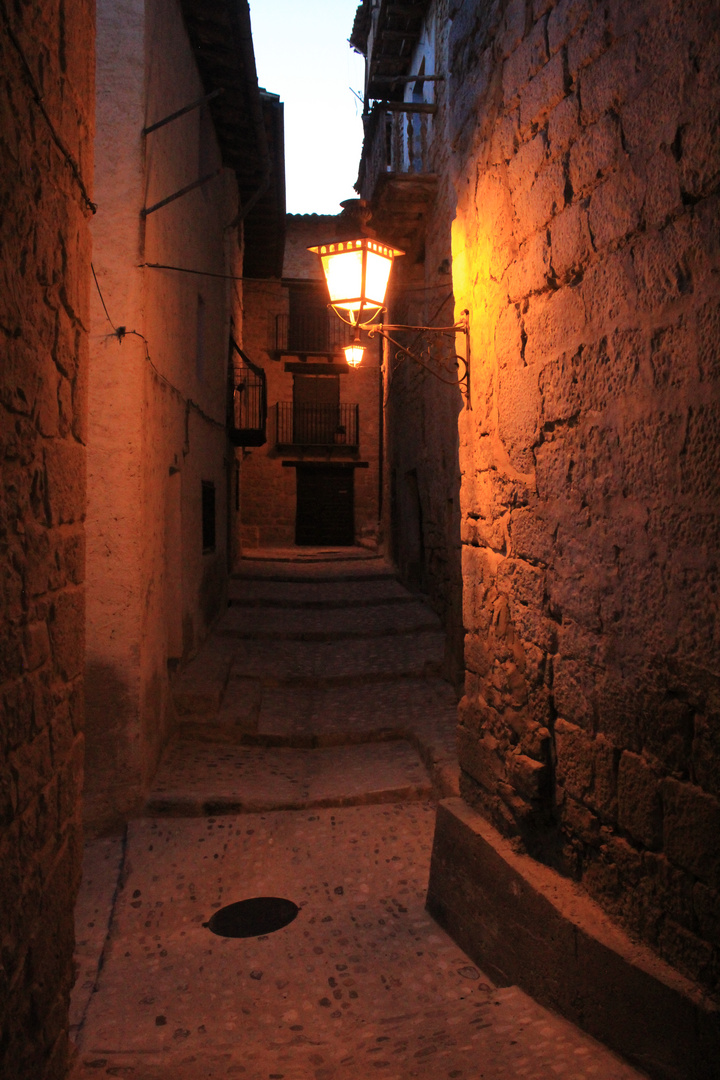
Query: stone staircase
{"x": 320, "y": 686}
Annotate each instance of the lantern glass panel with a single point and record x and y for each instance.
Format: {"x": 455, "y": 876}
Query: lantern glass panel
{"x": 343, "y": 273}
{"x": 376, "y": 279}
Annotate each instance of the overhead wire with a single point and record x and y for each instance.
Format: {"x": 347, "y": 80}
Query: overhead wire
{"x": 120, "y": 332}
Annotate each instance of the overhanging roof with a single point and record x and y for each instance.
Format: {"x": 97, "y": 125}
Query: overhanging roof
{"x": 391, "y": 39}
{"x": 248, "y": 122}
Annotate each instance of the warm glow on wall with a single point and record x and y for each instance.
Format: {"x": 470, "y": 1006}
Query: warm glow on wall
{"x": 357, "y": 273}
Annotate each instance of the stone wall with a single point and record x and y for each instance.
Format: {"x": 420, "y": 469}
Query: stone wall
{"x": 422, "y": 503}
{"x": 586, "y": 157}
{"x": 46, "y": 52}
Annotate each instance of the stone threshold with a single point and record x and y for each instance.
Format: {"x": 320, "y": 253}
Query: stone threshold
{"x": 524, "y": 924}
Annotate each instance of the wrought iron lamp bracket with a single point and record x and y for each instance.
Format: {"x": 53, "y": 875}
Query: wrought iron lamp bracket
{"x": 453, "y": 370}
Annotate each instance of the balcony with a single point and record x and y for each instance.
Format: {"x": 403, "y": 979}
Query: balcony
{"x": 308, "y": 333}
{"x": 396, "y": 150}
{"x": 317, "y": 425}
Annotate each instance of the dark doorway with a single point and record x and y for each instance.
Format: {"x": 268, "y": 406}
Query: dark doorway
{"x": 325, "y": 506}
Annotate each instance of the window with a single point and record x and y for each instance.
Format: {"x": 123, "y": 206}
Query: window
{"x": 208, "y": 516}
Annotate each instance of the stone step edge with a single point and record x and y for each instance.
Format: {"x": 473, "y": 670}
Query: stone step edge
{"x": 180, "y": 806}
{"x": 324, "y": 635}
{"x": 429, "y": 670}
{"x": 443, "y": 770}
{"x": 321, "y": 605}
{"x": 299, "y": 579}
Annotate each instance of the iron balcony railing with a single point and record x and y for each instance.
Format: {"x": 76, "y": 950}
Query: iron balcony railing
{"x": 248, "y": 403}
{"x": 398, "y": 138}
{"x": 308, "y": 332}
{"x": 317, "y": 425}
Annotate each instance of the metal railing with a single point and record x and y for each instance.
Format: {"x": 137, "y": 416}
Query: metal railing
{"x": 308, "y": 332}
{"x": 317, "y": 425}
{"x": 398, "y": 139}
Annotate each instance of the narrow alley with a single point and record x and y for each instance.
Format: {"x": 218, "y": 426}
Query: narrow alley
{"x": 316, "y": 735}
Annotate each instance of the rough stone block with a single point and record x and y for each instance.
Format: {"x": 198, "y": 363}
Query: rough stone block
{"x": 542, "y": 93}
{"x": 521, "y": 65}
{"x": 65, "y": 471}
{"x": 527, "y": 776}
{"x": 508, "y": 336}
{"x": 615, "y": 208}
{"x": 481, "y": 758}
{"x": 580, "y": 822}
{"x": 708, "y": 322}
{"x": 529, "y": 272}
{"x": 590, "y": 42}
{"x": 609, "y": 289}
{"x": 570, "y": 240}
{"x": 572, "y": 690}
{"x": 566, "y": 19}
{"x": 531, "y": 537}
{"x": 672, "y": 355}
{"x": 663, "y": 197}
{"x": 563, "y": 126}
{"x": 608, "y": 82}
{"x": 604, "y": 791}
{"x": 639, "y": 803}
{"x": 573, "y": 747}
{"x": 504, "y": 138}
{"x": 551, "y": 322}
{"x": 691, "y": 830}
{"x": 594, "y": 154}
{"x": 663, "y": 262}
{"x": 527, "y": 163}
{"x": 513, "y": 29}
{"x": 519, "y": 414}
{"x": 700, "y": 467}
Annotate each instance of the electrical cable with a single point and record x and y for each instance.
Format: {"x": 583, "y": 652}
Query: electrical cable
{"x": 121, "y": 332}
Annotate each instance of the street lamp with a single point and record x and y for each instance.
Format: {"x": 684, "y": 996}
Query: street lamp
{"x": 357, "y": 274}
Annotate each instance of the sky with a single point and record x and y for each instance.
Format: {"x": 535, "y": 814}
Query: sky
{"x": 302, "y": 54}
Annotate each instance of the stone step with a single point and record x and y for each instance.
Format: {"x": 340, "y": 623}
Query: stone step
{"x": 297, "y": 568}
{"x": 301, "y": 624}
{"x": 326, "y": 663}
{"x": 198, "y": 779}
{"x": 422, "y": 711}
{"x": 318, "y": 594}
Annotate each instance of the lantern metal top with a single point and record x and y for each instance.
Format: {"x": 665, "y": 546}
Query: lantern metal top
{"x": 365, "y": 242}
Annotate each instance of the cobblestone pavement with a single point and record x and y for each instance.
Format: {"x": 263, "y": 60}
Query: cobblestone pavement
{"x": 310, "y": 776}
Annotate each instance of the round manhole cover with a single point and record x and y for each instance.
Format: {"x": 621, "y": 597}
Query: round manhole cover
{"x": 254, "y": 917}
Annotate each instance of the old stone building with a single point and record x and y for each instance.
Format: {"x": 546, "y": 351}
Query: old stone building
{"x": 566, "y": 172}
{"x": 182, "y": 149}
{"x": 319, "y": 468}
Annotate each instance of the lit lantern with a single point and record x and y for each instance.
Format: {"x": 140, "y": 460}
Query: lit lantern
{"x": 357, "y": 273}
{"x": 354, "y": 353}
